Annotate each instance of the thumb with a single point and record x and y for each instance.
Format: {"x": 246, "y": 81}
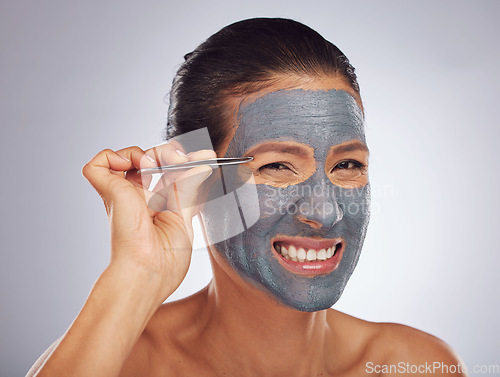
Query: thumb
{"x": 182, "y": 196}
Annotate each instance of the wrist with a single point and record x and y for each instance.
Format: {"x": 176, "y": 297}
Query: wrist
{"x": 134, "y": 286}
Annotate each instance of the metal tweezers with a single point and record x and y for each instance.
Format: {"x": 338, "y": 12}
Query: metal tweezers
{"x": 192, "y": 164}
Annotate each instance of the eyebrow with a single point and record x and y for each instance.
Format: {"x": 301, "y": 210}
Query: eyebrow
{"x": 349, "y": 147}
{"x": 279, "y": 147}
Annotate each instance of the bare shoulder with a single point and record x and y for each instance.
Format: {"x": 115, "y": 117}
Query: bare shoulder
{"x": 416, "y": 352}
{"x": 390, "y": 349}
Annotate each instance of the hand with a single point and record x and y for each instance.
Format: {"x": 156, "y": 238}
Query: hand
{"x": 157, "y": 238}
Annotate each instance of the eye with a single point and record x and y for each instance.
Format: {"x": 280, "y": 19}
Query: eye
{"x": 350, "y": 165}
{"x": 275, "y": 166}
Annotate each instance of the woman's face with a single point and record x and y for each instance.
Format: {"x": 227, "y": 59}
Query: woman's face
{"x": 306, "y": 201}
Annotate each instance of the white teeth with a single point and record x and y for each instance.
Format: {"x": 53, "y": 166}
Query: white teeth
{"x": 322, "y": 254}
{"x": 301, "y": 254}
{"x": 311, "y": 254}
{"x": 284, "y": 252}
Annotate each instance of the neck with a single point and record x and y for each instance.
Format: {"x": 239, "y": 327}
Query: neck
{"x": 244, "y": 323}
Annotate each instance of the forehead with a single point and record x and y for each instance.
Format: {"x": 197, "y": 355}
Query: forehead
{"x": 314, "y": 117}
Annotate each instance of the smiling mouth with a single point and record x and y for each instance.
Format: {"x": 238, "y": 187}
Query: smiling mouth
{"x": 301, "y": 254}
{"x": 309, "y": 256}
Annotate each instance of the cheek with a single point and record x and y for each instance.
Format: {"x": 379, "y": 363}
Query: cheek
{"x": 231, "y": 206}
{"x": 274, "y": 203}
{"x": 355, "y": 205}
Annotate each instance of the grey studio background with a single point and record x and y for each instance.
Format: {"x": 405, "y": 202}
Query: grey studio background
{"x": 78, "y": 77}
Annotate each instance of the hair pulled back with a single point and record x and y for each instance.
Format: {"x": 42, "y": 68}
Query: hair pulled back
{"x": 243, "y": 58}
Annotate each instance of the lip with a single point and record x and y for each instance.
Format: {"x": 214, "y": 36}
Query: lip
{"x": 310, "y": 268}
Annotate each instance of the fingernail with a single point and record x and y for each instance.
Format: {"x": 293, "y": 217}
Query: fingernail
{"x": 181, "y": 153}
{"x": 125, "y": 158}
{"x": 151, "y": 159}
{"x": 208, "y": 175}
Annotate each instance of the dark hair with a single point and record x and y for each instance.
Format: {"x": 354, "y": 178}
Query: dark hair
{"x": 244, "y": 58}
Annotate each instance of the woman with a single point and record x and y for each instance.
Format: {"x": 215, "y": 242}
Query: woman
{"x": 281, "y": 252}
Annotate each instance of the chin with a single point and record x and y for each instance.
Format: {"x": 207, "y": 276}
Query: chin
{"x": 312, "y": 306}
{"x": 305, "y": 295}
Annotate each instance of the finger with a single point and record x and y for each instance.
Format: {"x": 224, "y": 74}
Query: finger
{"x": 163, "y": 185}
{"x": 158, "y": 202}
{"x": 139, "y": 180}
{"x": 140, "y": 160}
{"x": 204, "y": 154}
{"x": 106, "y": 170}
{"x": 173, "y": 175}
{"x": 171, "y": 153}
{"x": 98, "y": 171}
{"x": 183, "y": 194}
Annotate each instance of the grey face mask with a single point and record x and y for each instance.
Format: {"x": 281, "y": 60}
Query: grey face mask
{"x": 318, "y": 119}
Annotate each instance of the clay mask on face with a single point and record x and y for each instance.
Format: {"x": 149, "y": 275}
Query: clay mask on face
{"x": 336, "y": 217}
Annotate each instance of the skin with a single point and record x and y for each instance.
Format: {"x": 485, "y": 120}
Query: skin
{"x": 312, "y": 190}
{"x": 232, "y": 327}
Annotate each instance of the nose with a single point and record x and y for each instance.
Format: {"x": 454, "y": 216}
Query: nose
{"x": 319, "y": 208}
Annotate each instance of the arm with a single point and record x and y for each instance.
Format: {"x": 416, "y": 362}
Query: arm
{"x": 150, "y": 256}
{"x": 102, "y": 336}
